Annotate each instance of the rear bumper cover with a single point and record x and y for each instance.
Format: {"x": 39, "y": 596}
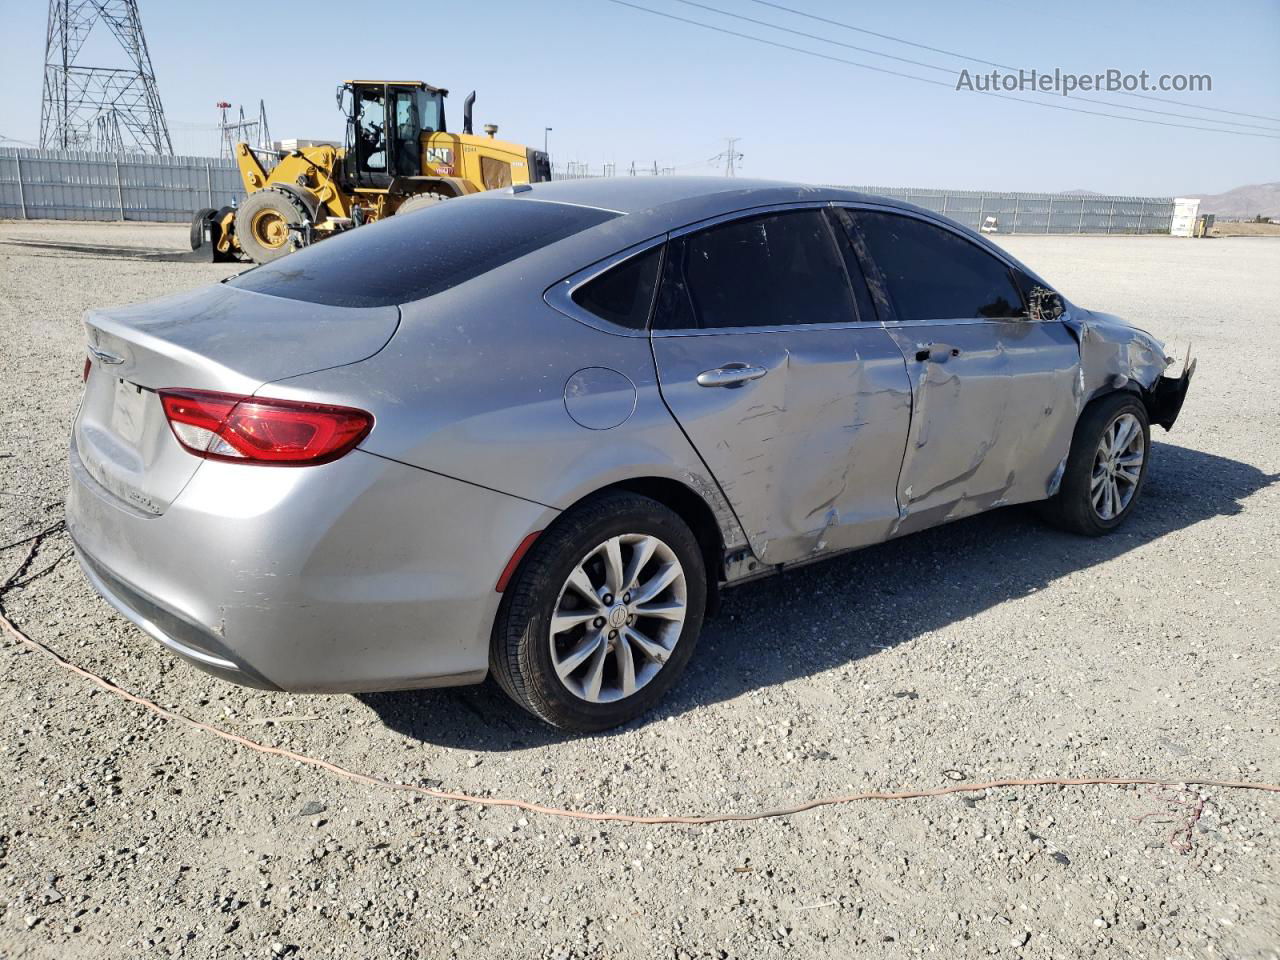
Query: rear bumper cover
{"x": 359, "y": 575}
{"x": 181, "y": 636}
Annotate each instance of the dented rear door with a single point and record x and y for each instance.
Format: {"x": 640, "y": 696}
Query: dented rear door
{"x": 798, "y": 407}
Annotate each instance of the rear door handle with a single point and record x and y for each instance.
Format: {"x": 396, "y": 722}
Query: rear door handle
{"x": 937, "y": 353}
{"x": 731, "y": 375}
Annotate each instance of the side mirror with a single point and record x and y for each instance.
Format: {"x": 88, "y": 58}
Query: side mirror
{"x": 1045, "y": 304}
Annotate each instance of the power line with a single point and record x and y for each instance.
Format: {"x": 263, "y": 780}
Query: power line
{"x": 814, "y": 36}
{"x": 992, "y": 63}
{"x": 951, "y": 71}
{"x": 937, "y": 83}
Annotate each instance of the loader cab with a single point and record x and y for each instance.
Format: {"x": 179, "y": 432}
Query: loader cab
{"x": 385, "y": 124}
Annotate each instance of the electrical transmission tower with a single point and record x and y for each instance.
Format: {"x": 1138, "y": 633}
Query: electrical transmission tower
{"x": 729, "y": 156}
{"x": 255, "y": 132}
{"x": 105, "y": 109}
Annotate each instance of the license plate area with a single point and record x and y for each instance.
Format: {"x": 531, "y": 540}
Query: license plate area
{"x": 128, "y": 410}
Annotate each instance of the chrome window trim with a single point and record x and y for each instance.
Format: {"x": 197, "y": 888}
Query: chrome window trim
{"x": 559, "y": 296}
{"x": 746, "y": 214}
{"x": 985, "y": 246}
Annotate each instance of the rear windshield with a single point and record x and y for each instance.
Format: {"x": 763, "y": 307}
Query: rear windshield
{"x": 413, "y": 256}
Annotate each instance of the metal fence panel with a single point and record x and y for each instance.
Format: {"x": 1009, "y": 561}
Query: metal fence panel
{"x": 1041, "y": 212}
{"x": 74, "y": 185}
{"x": 70, "y": 185}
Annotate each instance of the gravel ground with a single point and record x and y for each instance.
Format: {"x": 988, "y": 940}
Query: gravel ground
{"x": 993, "y": 648}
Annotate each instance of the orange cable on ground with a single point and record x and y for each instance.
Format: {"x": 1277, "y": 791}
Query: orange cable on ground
{"x": 529, "y": 807}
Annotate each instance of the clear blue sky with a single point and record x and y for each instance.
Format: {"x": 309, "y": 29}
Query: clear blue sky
{"x": 617, "y": 84}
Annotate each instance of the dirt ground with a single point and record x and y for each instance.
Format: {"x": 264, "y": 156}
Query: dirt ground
{"x": 992, "y": 648}
{"x": 1226, "y": 228}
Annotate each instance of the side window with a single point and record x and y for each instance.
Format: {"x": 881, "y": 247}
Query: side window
{"x": 623, "y": 294}
{"x": 775, "y": 269}
{"x": 934, "y": 274}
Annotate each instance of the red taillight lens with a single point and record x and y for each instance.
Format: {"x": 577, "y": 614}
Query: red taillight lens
{"x": 225, "y": 426}
{"x": 84, "y": 377}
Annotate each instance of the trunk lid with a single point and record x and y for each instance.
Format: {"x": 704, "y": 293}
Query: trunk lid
{"x": 213, "y": 338}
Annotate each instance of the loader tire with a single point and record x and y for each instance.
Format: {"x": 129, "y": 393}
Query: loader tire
{"x": 420, "y": 202}
{"x": 263, "y": 222}
{"x": 198, "y": 220}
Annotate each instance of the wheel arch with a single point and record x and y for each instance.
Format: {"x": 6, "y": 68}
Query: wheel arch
{"x": 689, "y": 506}
{"x": 1131, "y": 387}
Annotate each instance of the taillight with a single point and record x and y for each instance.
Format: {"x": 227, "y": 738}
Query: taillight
{"x": 226, "y": 426}
{"x": 84, "y": 377}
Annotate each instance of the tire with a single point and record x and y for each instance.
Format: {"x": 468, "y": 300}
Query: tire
{"x": 198, "y": 220}
{"x": 524, "y": 652}
{"x": 1083, "y": 503}
{"x": 262, "y": 224}
{"x": 420, "y": 201}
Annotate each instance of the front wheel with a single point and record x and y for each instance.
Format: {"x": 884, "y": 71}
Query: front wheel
{"x": 1106, "y": 468}
{"x": 603, "y": 614}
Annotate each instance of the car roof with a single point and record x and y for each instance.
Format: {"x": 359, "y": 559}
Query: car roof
{"x": 693, "y": 197}
{"x": 651, "y": 206}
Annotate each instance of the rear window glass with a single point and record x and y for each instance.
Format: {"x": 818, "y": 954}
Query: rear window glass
{"x": 623, "y": 294}
{"x": 419, "y": 254}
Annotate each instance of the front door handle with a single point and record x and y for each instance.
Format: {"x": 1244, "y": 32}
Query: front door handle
{"x": 731, "y": 375}
{"x": 936, "y": 353}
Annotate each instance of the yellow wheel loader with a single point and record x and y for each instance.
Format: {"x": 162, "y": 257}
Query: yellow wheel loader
{"x": 398, "y": 156}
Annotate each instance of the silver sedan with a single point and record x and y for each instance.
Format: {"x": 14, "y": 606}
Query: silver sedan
{"x": 535, "y": 432}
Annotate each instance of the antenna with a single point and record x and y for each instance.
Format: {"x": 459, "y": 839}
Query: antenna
{"x": 105, "y": 109}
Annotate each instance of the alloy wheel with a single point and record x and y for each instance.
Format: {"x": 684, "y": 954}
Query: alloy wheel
{"x": 618, "y": 617}
{"x": 1117, "y": 466}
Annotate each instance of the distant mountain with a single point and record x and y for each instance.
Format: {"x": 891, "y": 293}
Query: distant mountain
{"x": 1079, "y": 193}
{"x": 1242, "y": 202}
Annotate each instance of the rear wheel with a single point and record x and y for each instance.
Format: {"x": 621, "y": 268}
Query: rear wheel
{"x": 420, "y": 202}
{"x": 1106, "y": 468}
{"x": 263, "y": 224}
{"x": 603, "y": 614}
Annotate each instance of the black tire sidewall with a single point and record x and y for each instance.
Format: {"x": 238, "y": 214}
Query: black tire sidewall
{"x": 525, "y": 621}
{"x": 198, "y": 220}
{"x": 1075, "y": 491}
{"x": 420, "y": 201}
{"x": 282, "y": 201}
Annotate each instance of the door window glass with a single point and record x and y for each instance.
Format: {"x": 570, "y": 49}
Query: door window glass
{"x": 775, "y": 269}
{"x": 934, "y": 274}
